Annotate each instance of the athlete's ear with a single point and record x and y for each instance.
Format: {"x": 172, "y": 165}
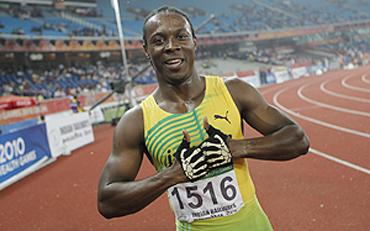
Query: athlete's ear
{"x": 145, "y": 47}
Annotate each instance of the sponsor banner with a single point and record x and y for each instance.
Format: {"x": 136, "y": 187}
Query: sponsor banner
{"x": 299, "y": 72}
{"x": 4, "y": 129}
{"x": 254, "y": 80}
{"x": 56, "y": 105}
{"x": 270, "y": 78}
{"x": 229, "y": 74}
{"x": 250, "y": 77}
{"x": 11, "y": 116}
{"x": 89, "y": 99}
{"x": 46, "y": 107}
{"x": 68, "y": 132}
{"x": 57, "y": 147}
{"x": 245, "y": 73}
{"x": 22, "y": 151}
{"x": 316, "y": 69}
{"x": 10, "y": 102}
{"x": 96, "y": 115}
{"x": 113, "y": 110}
{"x": 349, "y": 66}
{"x": 280, "y": 74}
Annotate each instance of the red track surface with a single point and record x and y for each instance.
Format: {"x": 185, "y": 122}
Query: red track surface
{"x": 309, "y": 193}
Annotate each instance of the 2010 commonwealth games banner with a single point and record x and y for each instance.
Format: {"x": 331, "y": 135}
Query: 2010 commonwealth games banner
{"x": 22, "y": 152}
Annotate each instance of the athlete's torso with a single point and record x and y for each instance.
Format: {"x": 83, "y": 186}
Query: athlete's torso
{"x": 163, "y": 134}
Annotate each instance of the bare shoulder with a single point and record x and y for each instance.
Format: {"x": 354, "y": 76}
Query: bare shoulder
{"x": 236, "y": 84}
{"x": 130, "y": 128}
{"x": 244, "y": 94}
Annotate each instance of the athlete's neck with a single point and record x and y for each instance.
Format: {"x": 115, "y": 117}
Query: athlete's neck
{"x": 188, "y": 90}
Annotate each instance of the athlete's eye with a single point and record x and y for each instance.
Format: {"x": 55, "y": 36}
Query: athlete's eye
{"x": 157, "y": 40}
{"x": 183, "y": 36}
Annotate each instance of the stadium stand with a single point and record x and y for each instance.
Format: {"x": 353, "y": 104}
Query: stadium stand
{"x": 252, "y": 27}
{"x": 230, "y": 16}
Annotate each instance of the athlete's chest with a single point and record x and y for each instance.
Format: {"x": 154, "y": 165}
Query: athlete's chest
{"x": 166, "y": 134}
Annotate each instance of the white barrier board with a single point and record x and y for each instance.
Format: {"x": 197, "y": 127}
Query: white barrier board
{"x": 69, "y": 132}
{"x": 96, "y": 115}
{"x": 299, "y": 72}
{"x": 281, "y": 76}
{"x": 254, "y": 80}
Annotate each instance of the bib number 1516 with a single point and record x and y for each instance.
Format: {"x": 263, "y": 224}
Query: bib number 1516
{"x": 226, "y": 189}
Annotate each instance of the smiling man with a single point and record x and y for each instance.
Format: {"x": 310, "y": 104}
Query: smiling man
{"x": 191, "y": 129}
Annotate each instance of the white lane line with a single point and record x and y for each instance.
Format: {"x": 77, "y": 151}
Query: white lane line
{"x": 296, "y": 109}
{"x": 339, "y": 161}
{"x": 316, "y": 121}
{"x": 345, "y": 84}
{"x": 332, "y": 107}
{"x": 364, "y": 79}
{"x": 329, "y": 92}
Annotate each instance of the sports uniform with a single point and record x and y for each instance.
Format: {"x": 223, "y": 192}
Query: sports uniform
{"x": 225, "y": 198}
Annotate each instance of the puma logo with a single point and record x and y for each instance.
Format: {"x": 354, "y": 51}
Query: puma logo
{"x": 222, "y": 117}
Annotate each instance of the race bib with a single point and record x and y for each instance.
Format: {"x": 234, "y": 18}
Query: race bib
{"x": 217, "y": 196}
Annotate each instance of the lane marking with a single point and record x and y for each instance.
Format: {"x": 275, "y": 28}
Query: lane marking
{"x": 316, "y": 121}
{"x": 340, "y": 161}
{"x": 272, "y": 87}
{"x": 329, "y": 92}
{"x": 364, "y": 79}
{"x": 345, "y": 84}
{"x": 296, "y": 109}
{"x": 332, "y": 107}
{"x": 325, "y": 124}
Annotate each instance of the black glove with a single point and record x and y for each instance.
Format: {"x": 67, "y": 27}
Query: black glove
{"x": 192, "y": 160}
{"x": 215, "y": 148}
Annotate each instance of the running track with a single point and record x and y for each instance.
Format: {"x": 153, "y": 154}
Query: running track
{"x": 328, "y": 189}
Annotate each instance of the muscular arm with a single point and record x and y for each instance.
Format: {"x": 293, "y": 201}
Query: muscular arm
{"x": 283, "y": 139}
{"x": 119, "y": 193}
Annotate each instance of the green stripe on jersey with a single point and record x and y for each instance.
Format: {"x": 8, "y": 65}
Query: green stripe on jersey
{"x": 161, "y": 132}
{"x": 167, "y": 135}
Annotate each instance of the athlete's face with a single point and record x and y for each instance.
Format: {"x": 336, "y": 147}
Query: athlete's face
{"x": 170, "y": 47}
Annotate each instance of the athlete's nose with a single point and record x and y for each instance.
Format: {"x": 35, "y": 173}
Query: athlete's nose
{"x": 172, "y": 45}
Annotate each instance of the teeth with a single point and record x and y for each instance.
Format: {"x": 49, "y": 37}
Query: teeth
{"x": 173, "y": 61}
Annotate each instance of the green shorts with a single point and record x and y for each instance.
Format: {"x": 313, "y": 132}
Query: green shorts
{"x": 250, "y": 217}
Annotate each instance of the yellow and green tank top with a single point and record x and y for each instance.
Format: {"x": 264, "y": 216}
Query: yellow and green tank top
{"x": 163, "y": 134}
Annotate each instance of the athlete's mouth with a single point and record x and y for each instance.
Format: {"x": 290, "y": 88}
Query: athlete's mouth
{"x": 174, "y": 63}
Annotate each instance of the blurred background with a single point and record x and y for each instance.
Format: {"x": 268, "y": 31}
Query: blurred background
{"x": 53, "y": 49}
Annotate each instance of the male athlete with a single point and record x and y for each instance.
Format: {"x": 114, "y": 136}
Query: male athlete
{"x": 191, "y": 129}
